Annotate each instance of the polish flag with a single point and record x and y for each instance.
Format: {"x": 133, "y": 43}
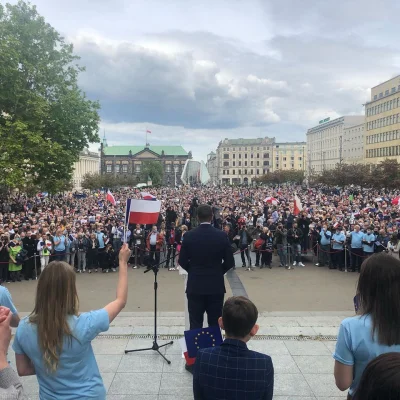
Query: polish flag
{"x": 110, "y": 197}
{"x": 147, "y": 196}
{"x": 147, "y": 131}
{"x": 142, "y": 211}
{"x": 297, "y": 205}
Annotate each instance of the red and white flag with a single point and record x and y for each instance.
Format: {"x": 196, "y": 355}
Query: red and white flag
{"x": 110, "y": 197}
{"x": 297, "y": 205}
{"x": 147, "y": 131}
{"x": 147, "y": 196}
{"x": 142, "y": 211}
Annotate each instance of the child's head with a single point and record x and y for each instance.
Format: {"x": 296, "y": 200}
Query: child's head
{"x": 239, "y": 317}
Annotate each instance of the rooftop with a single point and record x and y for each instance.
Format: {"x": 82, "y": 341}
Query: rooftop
{"x": 242, "y": 141}
{"x": 124, "y": 150}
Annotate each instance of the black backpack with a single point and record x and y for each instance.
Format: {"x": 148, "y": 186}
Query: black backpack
{"x": 21, "y": 257}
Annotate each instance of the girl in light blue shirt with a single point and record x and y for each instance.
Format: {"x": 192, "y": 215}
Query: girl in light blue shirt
{"x": 377, "y": 329}
{"x": 54, "y": 342}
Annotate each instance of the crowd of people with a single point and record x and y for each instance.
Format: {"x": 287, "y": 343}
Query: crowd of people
{"x": 340, "y": 227}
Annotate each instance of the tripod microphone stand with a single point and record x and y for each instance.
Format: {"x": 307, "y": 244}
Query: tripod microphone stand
{"x": 151, "y": 266}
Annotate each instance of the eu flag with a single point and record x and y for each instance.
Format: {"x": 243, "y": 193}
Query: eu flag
{"x": 197, "y": 339}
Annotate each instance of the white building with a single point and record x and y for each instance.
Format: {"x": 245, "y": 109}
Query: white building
{"x": 325, "y": 142}
{"x": 353, "y": 144}
{"x": 212, "y": 167}
{"x": 89, "y": 163}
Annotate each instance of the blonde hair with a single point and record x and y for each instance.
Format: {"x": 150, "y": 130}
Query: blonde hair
{"x": 56, "y": 299}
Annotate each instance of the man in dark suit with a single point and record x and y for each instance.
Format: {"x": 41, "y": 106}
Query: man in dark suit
{"x": 232, "y": 371}
{"x": 206, "y": 255}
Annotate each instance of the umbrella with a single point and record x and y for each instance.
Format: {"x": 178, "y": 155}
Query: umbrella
{"x": 271, "y": 200}
{"x": 396, "y": 201}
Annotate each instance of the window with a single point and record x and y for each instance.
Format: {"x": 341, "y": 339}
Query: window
{"x": 245, "y": 155}
{"x": 240, "y": 172}
{"x": 284, "y": 165}
{"x": 266, "y": 155}
{"x": 233, "y": 163}
{"x": 240, "y": 156}
{"x": 226, "y": 156}
{"x": 266, "y": 162}
{"x": 168, "y": 168}
{"x": 124, "y": 168}
{"x": 223, "y": 172}
{"x": 258, "y": 172}
{"x": 375, "y": 97}
{"x": 226, "y": 163}
{"x": 233, "y": 172}
{"x": 251, "y": 172}
{"x": 284, "y": 158}
{"x": 138, "y": 168}
{"x": 117, "y": 168}
{"x": 251, "y": 155}
{"x": 380, "y": 95}
{"x": 233, "y": 155}
{"x": 292, "y": 158}
{"x": 258, "y": 154}
{"x": 240, "y": 163}
{"x": 300, "y": 158}
{"x": 245, "y": 163}
{"x": 245, "y": 171}
{"x": 258, "y": 163}
{"x": 109, "y": 168}
{"x": 251, "y": 163}
{"x": 393, "y": 89}
{"x": 386, "y": 92}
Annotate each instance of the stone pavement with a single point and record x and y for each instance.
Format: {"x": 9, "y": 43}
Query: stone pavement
{"x": 300, "y": 344}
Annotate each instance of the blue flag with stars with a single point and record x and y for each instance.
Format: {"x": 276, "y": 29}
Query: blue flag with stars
{"x": 197, "y": 339}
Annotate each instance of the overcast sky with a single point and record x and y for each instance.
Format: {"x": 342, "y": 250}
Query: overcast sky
{"x": 195, "y": 72}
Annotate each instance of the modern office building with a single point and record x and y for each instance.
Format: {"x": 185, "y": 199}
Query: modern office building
{"x": 89, "y": 163}
{"x": 241, "y": 161}
{"x": 353, "y": 144}
{"x": 382, "y": 117}
{"x": 325, "y": 142}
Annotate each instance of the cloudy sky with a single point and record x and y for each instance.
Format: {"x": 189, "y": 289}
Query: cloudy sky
{"x": 195, "y": 72}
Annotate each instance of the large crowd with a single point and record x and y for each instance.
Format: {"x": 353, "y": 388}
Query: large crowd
{"x": 339, "y": 226}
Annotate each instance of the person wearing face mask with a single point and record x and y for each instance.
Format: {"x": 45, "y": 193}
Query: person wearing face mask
{"x": 154, "y": 243}
{"x": 338, "y": 240}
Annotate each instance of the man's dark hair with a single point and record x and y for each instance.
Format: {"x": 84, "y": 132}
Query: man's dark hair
{"x": 204, "y": 213}
{"x": 239, "y": 316}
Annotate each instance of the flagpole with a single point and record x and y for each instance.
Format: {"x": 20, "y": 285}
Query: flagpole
{"x": 125, "y": 228}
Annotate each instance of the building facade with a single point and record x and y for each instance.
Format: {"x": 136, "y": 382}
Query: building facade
{"x": 241, "y": 161}
{"x": 353, "y": 144}
{"x": 325, "y": 142}
{"x": 382, "y": 115}
{"x": 212, "y": 167}
{"x": 128, "y": 160}
{"x": 89, "y": 163}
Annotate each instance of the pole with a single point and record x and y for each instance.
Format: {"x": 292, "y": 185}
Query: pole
{"x": 35, "y": 266}
{"x": 345, "y": 259}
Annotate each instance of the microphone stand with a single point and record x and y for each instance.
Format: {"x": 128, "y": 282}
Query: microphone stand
{"x": 151, "y": 266}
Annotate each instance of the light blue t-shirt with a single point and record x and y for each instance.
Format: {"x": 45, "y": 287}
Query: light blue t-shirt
{"x": 325, "y": 237}
{"x": 369, "y": 248}
{"x": 100, "y": 238}
{"x": 77, "y": 376}
{"x": 355, "y": 346}
{"x": 339, "y": 237}
{"x": 61, "y": 245}
{"x": 356, "y": 239}
{"x": 6, "y": 300}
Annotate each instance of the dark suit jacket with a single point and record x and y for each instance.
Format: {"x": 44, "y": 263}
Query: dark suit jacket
{"x": 206, "y": 255}
{"x": 232, "y": 372}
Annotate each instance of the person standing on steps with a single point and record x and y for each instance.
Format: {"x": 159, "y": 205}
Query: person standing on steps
{"x": 206, "y": 255}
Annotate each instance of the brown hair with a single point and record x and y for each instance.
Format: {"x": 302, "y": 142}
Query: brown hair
{"x": 239, "y": 315}
{"x": 56, "y": 299}
{"x": 379, "y": 296}
{"x": 380, "y": 379}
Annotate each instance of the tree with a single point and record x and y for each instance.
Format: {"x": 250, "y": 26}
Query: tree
{"x": 45, "y": 119}
{"x": 109, "y": 181}
{"x": 153, "y": 170}
{"x": 282, "y": 176}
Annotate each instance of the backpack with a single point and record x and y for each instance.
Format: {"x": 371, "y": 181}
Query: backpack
{"x": 20, "y": 257}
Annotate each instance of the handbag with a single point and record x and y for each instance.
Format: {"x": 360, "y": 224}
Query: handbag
{"x": 259, "y": 244}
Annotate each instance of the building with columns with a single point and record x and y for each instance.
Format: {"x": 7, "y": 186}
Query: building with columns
{"x": 241, "y": 161}
{"x": 89, "y": 163}
{"x": 128, "y": 160}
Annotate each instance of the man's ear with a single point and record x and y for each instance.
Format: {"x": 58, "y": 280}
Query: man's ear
{"x": 254, "y": 330}
{"x": 220, "y": 323}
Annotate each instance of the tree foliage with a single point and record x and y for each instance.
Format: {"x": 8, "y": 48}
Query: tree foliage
{"x": 386, "y": 174}
{"x": 45, "y": 119}
{"x": 153, "y": 170}
{"x": 282, "y": 176}
{"x": 110, "y": 181}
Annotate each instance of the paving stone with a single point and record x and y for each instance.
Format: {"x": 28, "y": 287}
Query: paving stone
{"x": 291, "y": 385}
{"x": 312, "y": 348}
{"x": 284, "y": 364}
{"x": 132, "y": 397}
{"x": 331, "y": 345}
{"x": 108, "y": 362}
{"x": 141, "y": 363}
{"x": 320, "y": 321}
{"x": 30, "y": 384}
{"x": 295, "y": 330}
{"x": 118, "y": 330}
{"x": 109, "y": 346}
{"x": 177, "y": 384}
{"x": 270, "y": 347}
{"x": 326, "y": 330}
{"x": 135, "y": 383}
{"x": 108, "y": 377}
{"x": 315, "y": 364}
{"x": 323, "y": 385}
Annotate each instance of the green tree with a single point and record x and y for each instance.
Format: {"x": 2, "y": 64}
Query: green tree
{"x": 153, "y": 170}
{"x": 282, "y": 176}
{"x": 45, "y": 119}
